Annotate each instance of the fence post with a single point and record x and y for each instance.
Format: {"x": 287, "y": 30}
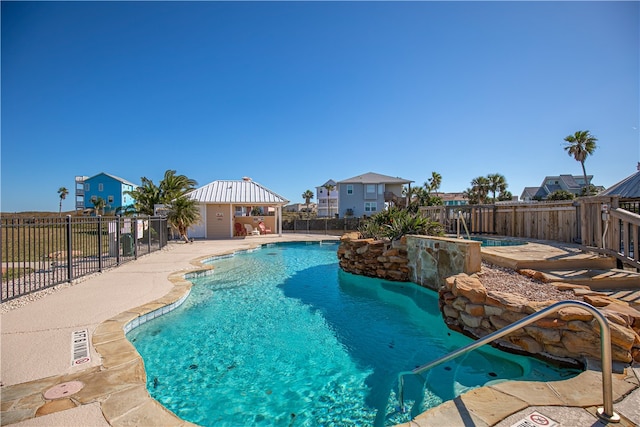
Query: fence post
{"x": 135, "y": 238}
{"x": 100, "y": 243}
{"x": 149, "y": 233}
{"x": 69, "y": 250}
{"x": 118, "y": 230}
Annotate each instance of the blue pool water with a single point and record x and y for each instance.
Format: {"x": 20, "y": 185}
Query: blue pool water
{"x": 282, "y": 337}
{"x": 488, "y": 241}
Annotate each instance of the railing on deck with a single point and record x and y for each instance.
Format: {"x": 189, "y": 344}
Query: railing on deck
{"x": 612, "y": 227}
{"x": 38, "y": 253}
{"x": 606, "y": 412}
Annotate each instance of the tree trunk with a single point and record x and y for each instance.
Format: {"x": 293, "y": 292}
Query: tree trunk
{"x": 587, "y": 187}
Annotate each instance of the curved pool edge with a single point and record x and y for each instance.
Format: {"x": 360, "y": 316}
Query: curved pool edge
{"x": 487, "y": 405}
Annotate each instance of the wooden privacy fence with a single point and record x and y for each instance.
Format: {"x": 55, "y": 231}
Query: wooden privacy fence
{"x": 539, "y": 220}
{"x": 602, "y": 223}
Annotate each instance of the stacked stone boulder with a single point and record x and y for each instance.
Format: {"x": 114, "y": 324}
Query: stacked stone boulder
{"x": 570, "y": 334}
{"x": 374, "y": 258}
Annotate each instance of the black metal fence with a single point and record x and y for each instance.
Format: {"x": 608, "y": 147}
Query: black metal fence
{"x": 38, "y": 253}
{"x": 322, "y": 225}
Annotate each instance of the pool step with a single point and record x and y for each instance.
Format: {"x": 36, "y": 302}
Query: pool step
{"x": 537, "y": 256}
{"x": 596, "y": 279}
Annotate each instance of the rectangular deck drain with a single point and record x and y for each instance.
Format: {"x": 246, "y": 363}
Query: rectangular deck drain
{"x": 80, "y": 347}
{"x": 536, "y": 419}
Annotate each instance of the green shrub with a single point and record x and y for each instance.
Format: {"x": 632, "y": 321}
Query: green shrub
{"x": 394, "y": 223}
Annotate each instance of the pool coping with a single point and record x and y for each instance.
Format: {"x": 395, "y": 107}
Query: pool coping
{"x": 118, "y": 384}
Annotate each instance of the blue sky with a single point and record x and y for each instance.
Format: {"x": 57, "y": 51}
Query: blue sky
{"x": 295, "y": 93}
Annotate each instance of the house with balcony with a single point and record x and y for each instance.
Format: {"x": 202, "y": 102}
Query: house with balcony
{"x": 571, "y": 183}
{"x": 112, "y": 189}
{"x": 327, "y": 201}
{"x": 370, "y": 193}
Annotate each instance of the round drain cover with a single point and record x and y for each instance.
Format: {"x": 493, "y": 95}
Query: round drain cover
{"x": 63, "y": 390}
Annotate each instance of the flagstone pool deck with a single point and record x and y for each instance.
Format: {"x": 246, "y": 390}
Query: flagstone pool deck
{"x": 36, "y": 356}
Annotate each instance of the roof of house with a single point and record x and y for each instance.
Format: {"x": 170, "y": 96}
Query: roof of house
{"x": 330, "y": 182}
{"x": 374, "y": 178}
{"x": 452, "y": 196}
{"x": 117, "y": 178}
{"x": 238, "y": 191}
{"x": 627, "y": 188}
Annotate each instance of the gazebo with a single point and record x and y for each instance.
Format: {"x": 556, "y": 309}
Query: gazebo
{"x": 628, "y": 188}
{"x": 223, "y": 203}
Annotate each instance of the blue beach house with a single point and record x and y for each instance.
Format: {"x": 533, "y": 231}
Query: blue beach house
{"x": 112, "y": 189}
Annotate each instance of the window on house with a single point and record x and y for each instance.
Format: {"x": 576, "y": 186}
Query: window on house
{"x": 349, "y": 188}
{"x": 87, "y": 186}
{"x": 381, "y": 189}
{"x": 100, "y": 187}
{"x": 370, "y": 206}
{"x": 94, "y": 199}
{"x": 370, "y": 191}
{"x": 110, "y": 199}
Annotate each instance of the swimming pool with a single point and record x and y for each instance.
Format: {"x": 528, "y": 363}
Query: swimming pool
{"x": 488, "y": 241}
{"x": 281, "y": 336}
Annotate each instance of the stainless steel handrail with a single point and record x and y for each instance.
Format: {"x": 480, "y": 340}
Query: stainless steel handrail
{"x": 606, "y": 412}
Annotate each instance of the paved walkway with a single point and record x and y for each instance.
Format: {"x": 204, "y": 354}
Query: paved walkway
{"x": 37, "y": 356}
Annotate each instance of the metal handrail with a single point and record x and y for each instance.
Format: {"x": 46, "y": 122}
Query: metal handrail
{"x": 464, "y": 223}
{"x": 606, "y": 412}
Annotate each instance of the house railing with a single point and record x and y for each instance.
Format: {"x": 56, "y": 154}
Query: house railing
{"x": 611, "y": 227}
{"x": 37, "y": 253}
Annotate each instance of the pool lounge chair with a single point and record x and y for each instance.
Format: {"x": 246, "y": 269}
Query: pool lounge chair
{"x": 239, "y": 230}
{"x": 251, "y": 231}
{"x": 263, "y": 228}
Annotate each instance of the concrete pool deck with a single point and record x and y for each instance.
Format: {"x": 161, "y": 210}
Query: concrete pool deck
{"x": 37, "y": 355}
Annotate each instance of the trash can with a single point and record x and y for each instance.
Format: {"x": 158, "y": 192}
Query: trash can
{"x": 126, "y": 240}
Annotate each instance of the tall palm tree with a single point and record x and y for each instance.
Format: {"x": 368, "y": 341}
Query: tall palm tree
{"x": 434, "y": 182}
{"x": 479, "y": 190}
{"x": 580, "y": 145}
{"x": 329, "y": 188}
{"x": 497, "y": 184}
{"x": 183, "y": 212}
{"x": 307, "y": 196}
{"x": 62, "y": 192}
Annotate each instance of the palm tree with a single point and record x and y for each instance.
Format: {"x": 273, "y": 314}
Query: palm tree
{"x": 497, "y": 184}
{"x": 434, "y": 182}
{"x": 98, "y": 206}
{"x": 173, "y": 186}
{"x": 146, "y": 196}
{"x": 307, "y": 196}
{"x": 479, "y": 190}
{"x": 182, "y": 213}
{"x": 329, "y": 188}
{"x": 580, "y": 145}
{"x": 62, "y": 192}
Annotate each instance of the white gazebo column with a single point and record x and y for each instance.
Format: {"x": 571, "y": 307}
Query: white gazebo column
{"x": 279, "y": 212}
